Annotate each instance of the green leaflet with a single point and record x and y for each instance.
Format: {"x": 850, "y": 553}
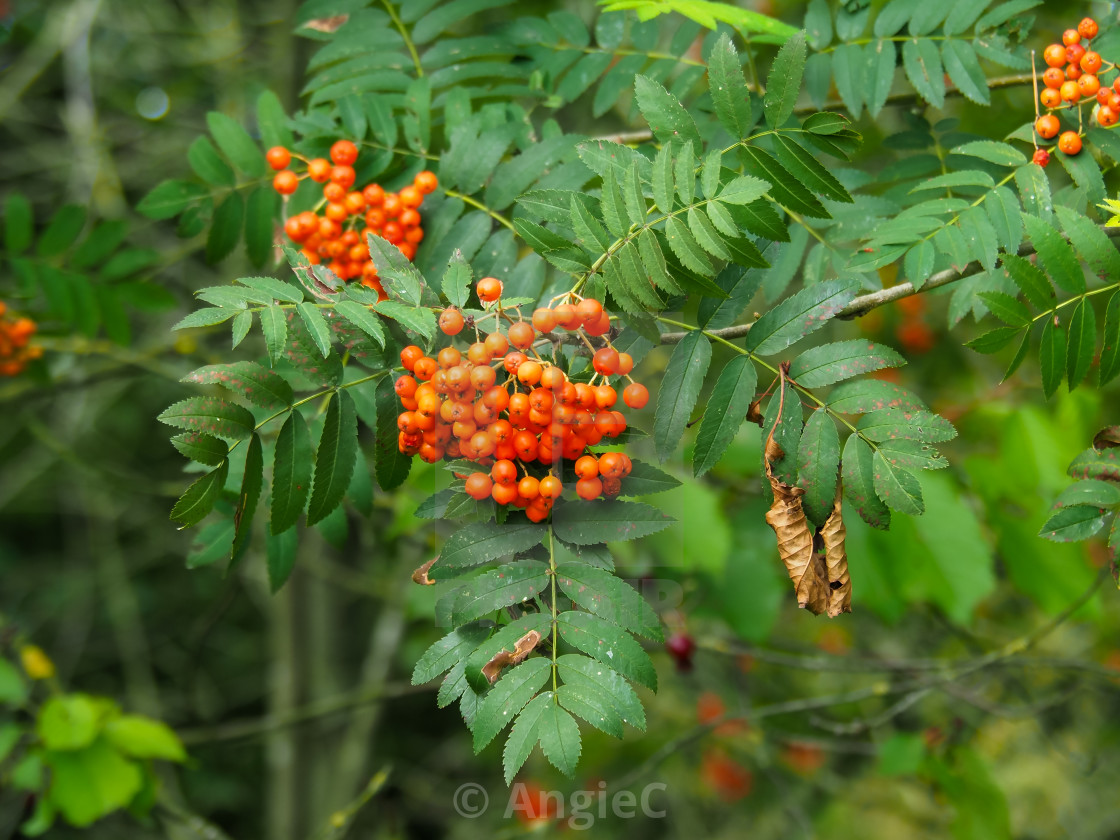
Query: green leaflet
{"x": 1072, "y": 524}
{"x": 879, "y": 69}
{"x": 225, "y": 229}
{"x": 203, "y": 448}
{"x": 964, "y": 70}
{"x": 1082, "y": 342}
{"x": 667, "y": 118}
{"x": 579, "y": 669}
{"x": 398, "y": 275}
{"x": 588, "y": 523}
{"x": 559, "y": 738}
{"x": 211, "y": 415}
{"x": 609, "y": 644}
{"x": 830, "y": 363}
{"x": 783, "y": 84}
{"x": 609, "y": 597}
{"x": 236, "y": 144}
{"x": 679, "y": 391}
{"x": 200, "y": 497}
{"x": 509, "y": 585}
{"x": 1056, "y": 255}
{"x": 1030, "y": 279}
{"x": 727, "y": 408}
{"x": 1051, "y": 357}
{"x": 818, "y": 465}
{"x": 798, "y": 315}
{"x": 448, "y": 652}
{"x": 525, "y": 733}
{"x": 291, "y": 473}
{"x": 508, "y": 697}
{"x": 252, "y": 483}
{"x": 483, "y": 542}
{"x": 922, "y": 62}
{"x": 335, "y": 457}
{"x": 1110, "y": 346}
{"x": 730, "y": 95}
{"x": 897, "y": 487}
{"x": 784, "y": 187}
{"x": 893, "y": 424}
{"x": 591, "y": 703}
{"x": 361, "y": 317}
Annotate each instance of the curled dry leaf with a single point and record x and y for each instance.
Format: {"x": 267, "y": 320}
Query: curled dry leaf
{"x": 832, "y": 534}
{"x": 1107, "y": 438}
{"x": 420, "y": 576}
{"x": 805, "y": 566}
{"x": 327, "y": 24}
{"x": 754, "y": 413}
{"x": 503, "y": 658}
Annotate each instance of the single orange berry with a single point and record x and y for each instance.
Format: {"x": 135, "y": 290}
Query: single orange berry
{"x": 635, "y": 395}
{"x": 1053, "y": 77}
{"x": 529, "y": 373}
{"x": 343, "y": 175}
{"x": 478, "y": 485}
{"x": 1088, "y": 84}
{"x": 411, "y": 197}
{"x": 1074, "y": 54}
{"x": 601, "y": 326}
{"x": 1070, "y": 92}
{"x": 587, "y": 466}
{"x": 285, "y": 182}
{"x": 426, "y": 182}
{"x": 496, "y": 344}
{"x": 544, "y": 320}
{"x": 1106, "y": 116}
{"x": 1091, "y": 62}
{"x": 344, "y": 153}
{"x": 605, "y": 361}
{"x": 1071, "y": 37}
{"x": 1047, "y": 126}
{"x": 392, "y": 205}
{"x": 550, "y": 487}
{"x": 625, "y": 363}
{"x": 1070, "y": 142}
{"x": 278, "y": 157}
{"x": 451, "y": 321}
{"x": 589, "y": 488}
{"x": 566, "y": 316}
{"x": 1041, "y": 157}
{"x": 1088, "y": 28}
{"x": 410, "y": 356}
{"x": 589, "y": 310}
{"x": 489, "y": 289}
{"x": 504, "y": 472}
{"x": 605, "y": 396}
{"x": 528, "y": 487}
{"x": 1103, "y": 95}
{"x": 521, "y": 335}
{"x": 1054, "y": 55}
{"x": 319, "y": 170}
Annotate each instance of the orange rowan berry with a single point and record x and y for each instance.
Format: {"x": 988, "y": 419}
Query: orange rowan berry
{"x": 544, "y": 320}
{"x": 329, "y": 229}
{"x": 1088, "y": 28}
{"x": 499, "y": 399}
{"x": 426, "y": 182}
{"x": 293, "y": 229}
{"x": 489, "y": 289}
{"x": 521, "y": 335}
{"x": 344, "y": 153}
{"x": 605, "y": 361}
{"x": 1070, "y": 92}
{"x": 414, "y": 236}
{"x": 504, "y": 472}
{"x": 1070, "y": 142}
{"x": 409, "y": 219}
{"x": 448, "y": 357}
{"x": 611, "y": 464}
{"x": 336, "y": 212}
{"x": 504, "y": 494}
{"x": 478, "y": 485}
{"x": 625, "y": 363}
{"x": 1054, "y": 55}
{"x": 589, "y": 488}
{"x": 278, "y": 157}
{"x": 529, "y": 487}
{"x": 1106, "y": 116}
{"x": 496, "y": 344}
{"x": 589, "y": 310}
{"x": 373, "y": 194}
{"x": 605, "y": 396}
{"x": 1041, "y": 157}
{"x": 529, "y": 373}
{"x": 355, "y": 203}
{"x": 319, "y": 170}
{"x": 1053, "y": 77}
{"x": 1088, "y": 85}
{"x": 334, "y": 192}
{"x": 425, "y": 368}
{"x": 552, "y": 378}
{"x": 1090, "y": 62}
{"x": 343, "y": 175}
{"x": 1073, "y": 57}
{"x": 1071, "y": 37}
{"x": 451, "y": 321}
{"x": 411, "y": 197}
{"x": 1047, "y": 126}
{"x": 392, "y": 206}
{"x": 405, "y": 386}
{"x": 285, "y": 182}
{"x": 635, "y": 395}
{"x": 513, "y": 360}
{"x": 481, "y": 443}
{"x": 587, "y": 466}
{"x": 482, "y": 377}
{"x": 600, "y": 327}
{"x": 551, "y": 487}
{"x": 393, "y": 232}
{"x": 1050, "y": 98}
{"x": 566, "y": 316}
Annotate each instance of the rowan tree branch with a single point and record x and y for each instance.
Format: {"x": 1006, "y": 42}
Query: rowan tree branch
{"x": 872, "y": 300}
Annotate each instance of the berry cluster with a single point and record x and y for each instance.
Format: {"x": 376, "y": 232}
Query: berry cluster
{"x": 348, "y": 214}
{"x": 15, "y": 347}
{"x": 1072, "y": 79}
{"x": 525, "y": 425}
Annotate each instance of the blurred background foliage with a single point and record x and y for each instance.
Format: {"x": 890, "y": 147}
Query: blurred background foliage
{"x": 926, "y": 713}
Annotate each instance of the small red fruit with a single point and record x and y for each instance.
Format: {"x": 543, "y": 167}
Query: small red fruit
{"x": 1041, "y": 157}
{"x": 278, "y": 157}
{"x": 344, "y": 153}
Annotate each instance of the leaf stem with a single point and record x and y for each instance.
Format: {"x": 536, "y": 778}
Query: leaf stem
{"x": 493, "y": 214}
{"x": 552, "y": 606}
{"x": 404, "y": 36}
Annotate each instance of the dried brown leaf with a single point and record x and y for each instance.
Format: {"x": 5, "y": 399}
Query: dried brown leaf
{"x": 805, "y": 566}
{"x": 504, "y": 659}
{"x": 1107, "y": 438}
{"x": 833, "y": 534}
{"x": 754, "y": 413}
{"x": 327, "y": 24}
{"x": 420, "y": 576}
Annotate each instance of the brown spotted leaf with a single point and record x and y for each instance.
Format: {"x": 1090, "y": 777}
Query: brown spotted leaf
{"x": 254, "y": 382}
{"x": 211, "y": 415}
{"x": 327, "y": 24}
{"x": 504, "y": 658}
{"x": 1107, "y": 438}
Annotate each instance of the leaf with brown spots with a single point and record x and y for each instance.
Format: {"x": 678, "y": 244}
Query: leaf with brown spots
{"x": 1107, "y": 438}
{"x": 504, "y": 658}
